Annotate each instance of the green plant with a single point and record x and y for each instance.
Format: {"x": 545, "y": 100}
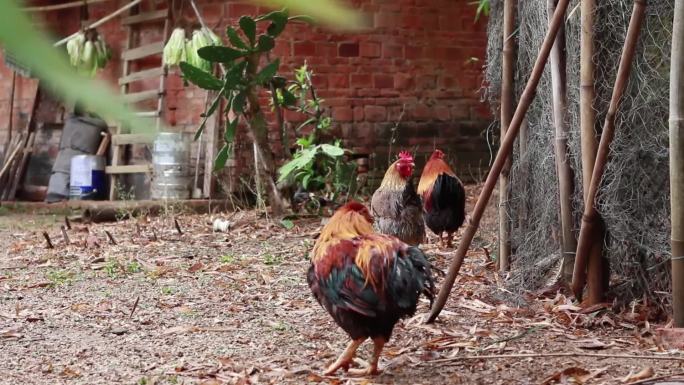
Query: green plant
{"x": 270, "y": 259}
{"x": 244, "y": 76}
{"x": 167, "y": 290}
{"x": 316, "y": 166}
{"x": 134, "y": 267}
{"x": 112, "y": 268}
{"x": 483, "y": 7}
{"x": 59, "y": 277}
{"x": 227, "y": 259}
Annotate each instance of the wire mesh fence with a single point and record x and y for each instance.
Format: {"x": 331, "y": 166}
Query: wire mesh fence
{"x": 633, "y": 198}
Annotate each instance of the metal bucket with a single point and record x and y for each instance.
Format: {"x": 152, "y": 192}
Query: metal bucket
{"x": 87, "y": 177}
{"x": 172, "y": 172}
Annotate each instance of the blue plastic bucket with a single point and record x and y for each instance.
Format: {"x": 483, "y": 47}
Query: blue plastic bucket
{"x": 87, "y": 179}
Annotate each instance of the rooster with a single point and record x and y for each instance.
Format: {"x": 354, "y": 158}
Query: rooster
{"x": 366, "y": 281}
{"x": 396, "y": 206}
{"x": 443, "y": 198}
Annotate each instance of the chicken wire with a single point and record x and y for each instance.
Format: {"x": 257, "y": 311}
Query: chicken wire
{"x": 633, "y": 198}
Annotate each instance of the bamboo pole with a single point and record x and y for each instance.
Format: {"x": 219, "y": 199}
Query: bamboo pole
{"x": 563, "y": 170}
{"x": 101, "y": 21}
{"x": 56, "y": 7}
{"x": 504, "y": 152}
{"x": 677, "y": 162}
{"x": 590, "y": 219}
{"x": 599, "y": 268}
{"x": 507, "y": 100}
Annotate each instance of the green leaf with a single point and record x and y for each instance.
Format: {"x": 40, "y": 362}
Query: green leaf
{"x": 235, "y": 75}
{"x": 305, "y": 157}
{"x": 205, "y": 116}
{"x": 200, "y": 77}
{"x": 218, "y": 54}
{"x": 234, "y": 39}
{"x": 267, "y": 72}
{"x": 248, "y": 26}
{"x": 332, "y": 151}
{"x": 305, "y": 123}
{"x": 303, "y": 18}
{"x": 305, "y": 181}
{"x": 288, "y": 98}
{"x": 327, "y": 11}
{"x": 266, "y": 43}
{"x": 278, "y": 20}
{"x": 231, "y": 127}
{"x": 239, "y": 102}
{"x": 31, "y": 47}
{"x": 288, "y": 224}
{"x": 222, "y": 157}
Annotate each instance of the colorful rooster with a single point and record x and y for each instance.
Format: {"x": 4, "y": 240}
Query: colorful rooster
{"x": 443, "y": 198}
{"x": 396, "y": 207}
{"x": 366, "y": 281}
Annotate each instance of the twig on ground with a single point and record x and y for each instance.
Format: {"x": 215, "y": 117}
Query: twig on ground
{"x": 135, "y": 306}
{"x": 111, "y": 237}
{"x": 652, "y": 379}
{"x": 67, "y": 223}
{"x": 65, "y": 235}
{"x": 566, "y": 354}
{"x": 47, "y": 238}
{"x": 178, "y": 228}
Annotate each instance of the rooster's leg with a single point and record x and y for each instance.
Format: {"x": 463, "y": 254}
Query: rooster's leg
{"x": 441, "y": 240}
{"x": 372, "y": 369}
{"x": 345, "y": 358}
{"x": 450, "y": 237}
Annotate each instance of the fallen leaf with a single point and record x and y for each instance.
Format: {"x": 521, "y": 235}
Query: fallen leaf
{"x": 579, "y": 375}
{"x": 643, "y": 374}
{"x": 196, "y": 267}
{"x": 70, "y": 373}
{"x": 593, "y": 344}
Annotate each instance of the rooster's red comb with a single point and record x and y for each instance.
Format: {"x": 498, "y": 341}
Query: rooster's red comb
{"x": 405, "y": 155}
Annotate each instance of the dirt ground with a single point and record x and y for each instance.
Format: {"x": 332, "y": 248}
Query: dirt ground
{"x": 202, "y": 307}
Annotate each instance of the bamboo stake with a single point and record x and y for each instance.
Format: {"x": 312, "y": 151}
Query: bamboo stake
{"x": 507, "y": 100}
{"x": 101, "y": 21}
{"x": 589, "y": 142}
{"x": 504, "y": 152}
{"x": 590, "y": 221}
{"x": 677, "y": 162}
{"x": 563, "y": 170}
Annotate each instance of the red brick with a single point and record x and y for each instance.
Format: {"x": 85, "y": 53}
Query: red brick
{"x": 305, "y": 48}
{"x": 421, "y": 112}
{"x": 383, "y": 81}
{"x": 369, "y": 49}
{"x": 358, "y": 114}
{"x": 403, "y": 81}
{"x": 211, "y": 13}
{"x": 385, "y": 19}
{"x": 441, "y": 113}
{"x": 460, "y": 111}
{"x": 375, "y": 113}
{"x": 343, "y": 114}
{"x": 392, "y": 51}
{"x": 238, "y": 10}
{"x": 361, "y": 80}
{"x": 364, "y": 130}
{"x": 348, "y": 49}
{"x": 338, "y": 80}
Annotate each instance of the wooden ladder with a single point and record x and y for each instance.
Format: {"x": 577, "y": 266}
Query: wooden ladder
{"x": 121, "y": 137}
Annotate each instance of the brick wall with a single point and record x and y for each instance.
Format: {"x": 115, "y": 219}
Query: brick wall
{"x": 422, "y": 57}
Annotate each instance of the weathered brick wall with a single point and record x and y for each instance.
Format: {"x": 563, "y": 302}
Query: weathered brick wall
{"x": 422, "y": 57}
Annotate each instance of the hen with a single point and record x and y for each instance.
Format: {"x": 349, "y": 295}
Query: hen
{"x": 443, "y": 198}
{"x": 396, "y": 207}
{"x": 366, "y": 281}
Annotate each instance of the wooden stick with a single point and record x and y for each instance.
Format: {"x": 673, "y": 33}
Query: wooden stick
{"x": 10, "y": 117}
{"x": 677, "y": 163}
{"x": 101, "y": 21}
{"x": 590, "y": 217}
{"x": 135, "y": 306}
{"x": 178, "y": 228}
{"x": 47, "y": 238}
{"x": 111, "y": 237}
{"x": 563, "y": 169}
{"x": 11, "y": 157}
{"x": 18, "y": 176}
{"x": 563, "y": 354}
{"x": 504, "y": 152}
{"x": 104, "y": 144}
{"x": 65, "y": 235}
{"x": 56, "y": 7}
{"x": 507, "y": 103}
{"x": 67, "y": 223}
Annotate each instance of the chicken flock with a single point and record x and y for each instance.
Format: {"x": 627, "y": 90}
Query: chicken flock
{"x": 367, "y": 270}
